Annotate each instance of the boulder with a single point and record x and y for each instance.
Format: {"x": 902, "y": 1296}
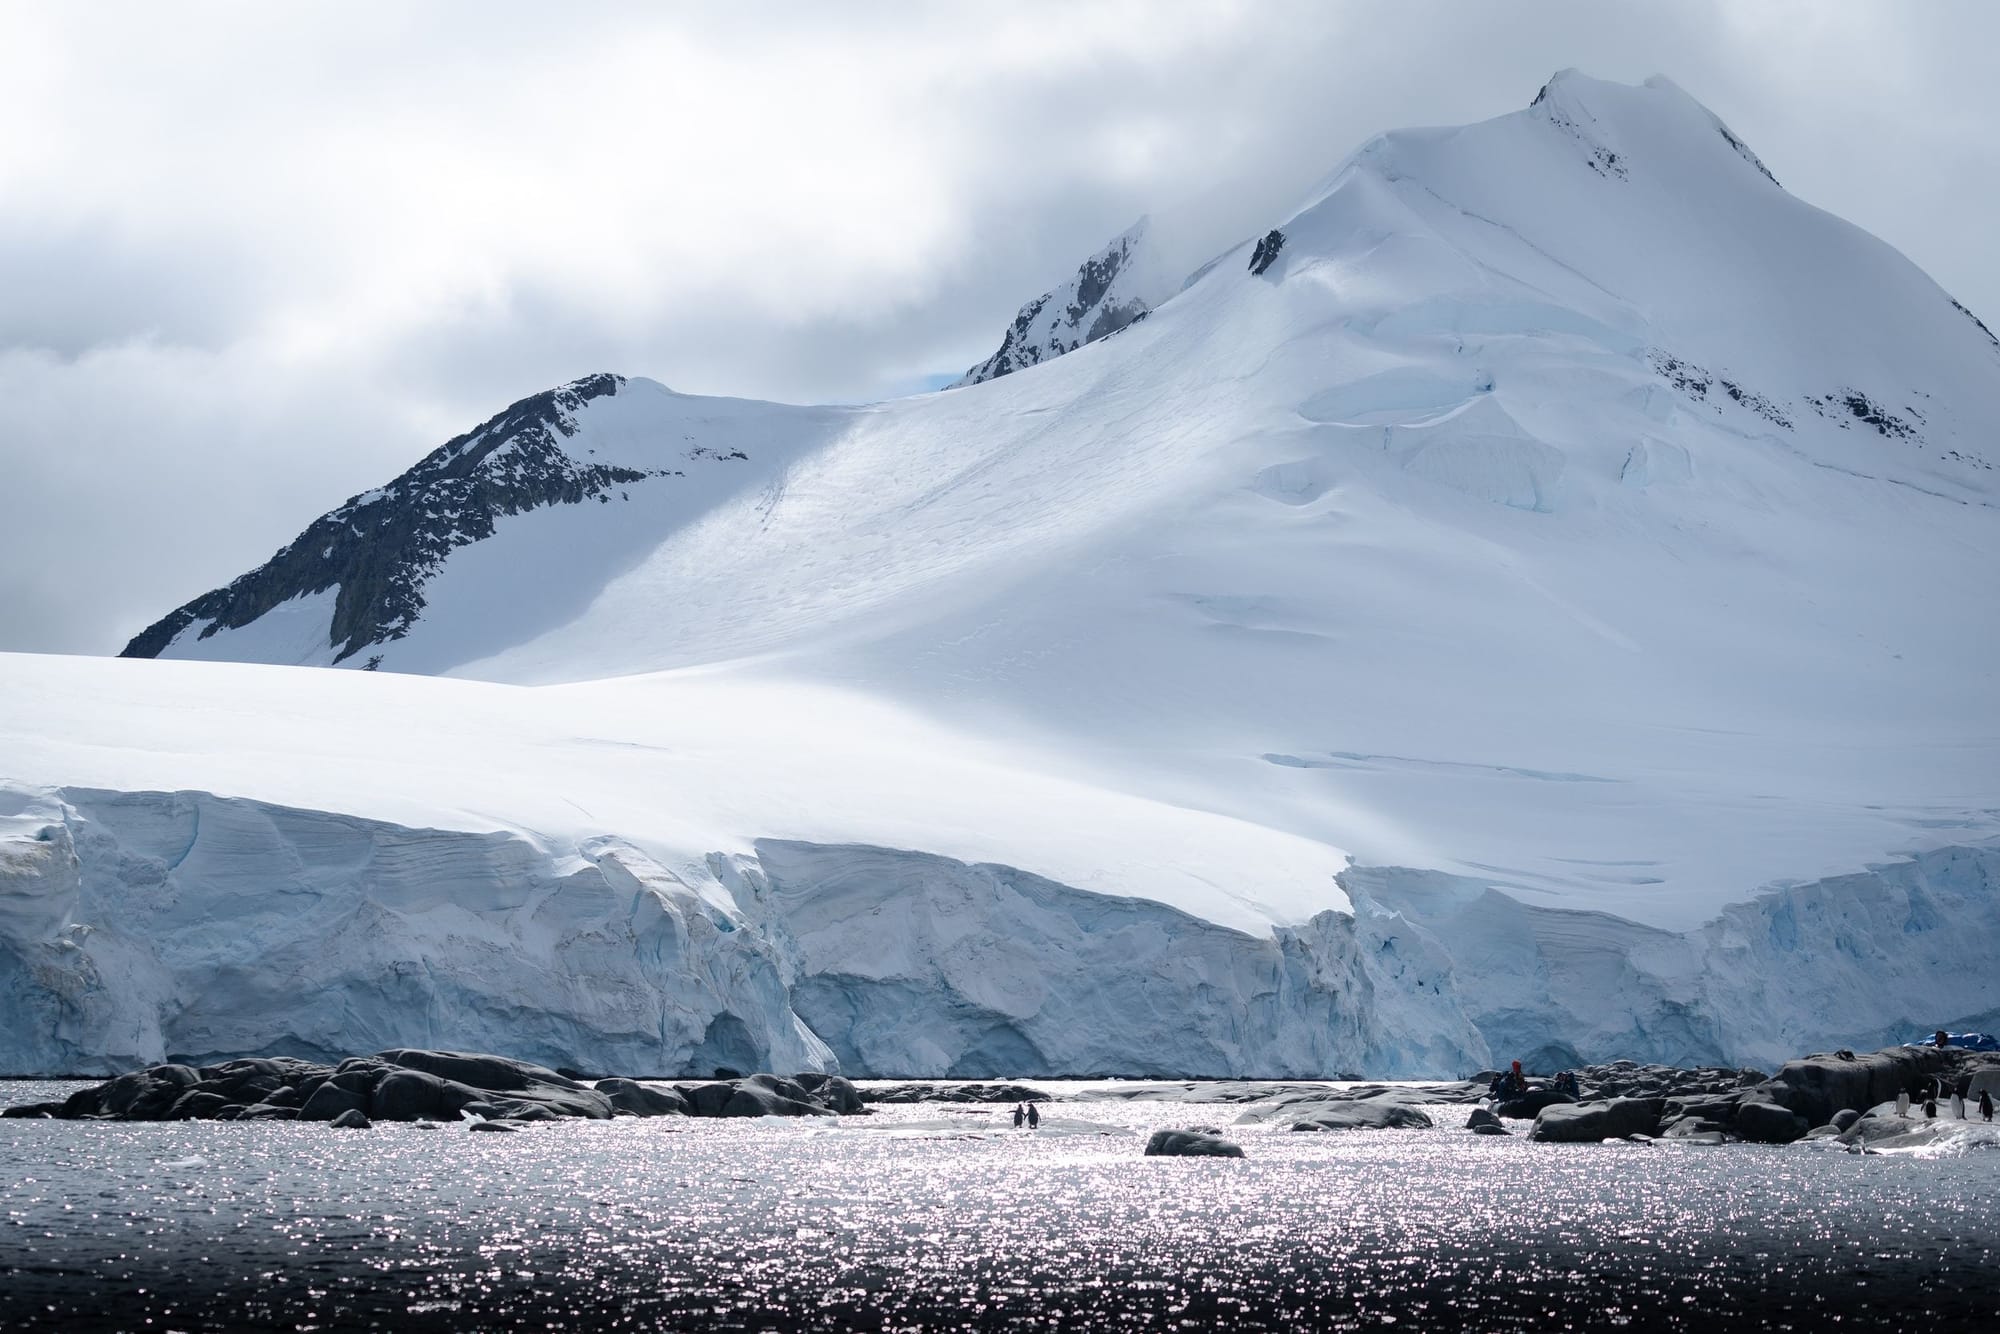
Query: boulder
{"x": 1365, "y": 1115}
{"x": 283, "y": 1096}
{"x": 1692, "y": 1127}
{"x": 352, "y": 1119}
{"x": 751, "y": 1099}
{"x": 1529, "y": 1105}
{"x": 1482, "y": 1117}
{"x": 1818, "y": 1086}
{"x": 1191, "y": 1144}
{"x": 330, "y": 1100}
{"x": 952, "y": 1093}
{"x": 33, "y": 1110}
{"x": 407, "y": 1095}
{"x": 840, "y": 1095}
{"x": 493, "y": 1126}
{"x": 1492, "y": 1127}
{"x": 493, "y": 1073}
{"x": 264, "y": 1111}
{"x": 1844, "y": 1119}
{"x": 360, "y": 1079}
{"x": 1768, "y": 1123}
{"x": 1585, "y": 1122}
{"x": 636, "y": 1099}
{"x": 194, "y": 1105}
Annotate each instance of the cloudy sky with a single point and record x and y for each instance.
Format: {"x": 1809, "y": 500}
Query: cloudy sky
{"x": 255, "y": 258}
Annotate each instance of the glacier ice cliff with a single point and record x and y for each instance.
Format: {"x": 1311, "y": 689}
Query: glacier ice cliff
{"x": 139, "y": 926}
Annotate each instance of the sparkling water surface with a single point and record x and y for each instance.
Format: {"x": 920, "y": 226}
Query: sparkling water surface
{"x": 935, "y": 1216}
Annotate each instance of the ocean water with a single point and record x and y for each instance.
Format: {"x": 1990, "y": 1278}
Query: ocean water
{"x": 939, "y": 1217}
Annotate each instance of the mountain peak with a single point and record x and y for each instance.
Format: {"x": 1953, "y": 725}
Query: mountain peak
{"x": 1115, "y": 287}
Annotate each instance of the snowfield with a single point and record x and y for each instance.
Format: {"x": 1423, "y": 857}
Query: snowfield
{"x": 1549, "y": 609}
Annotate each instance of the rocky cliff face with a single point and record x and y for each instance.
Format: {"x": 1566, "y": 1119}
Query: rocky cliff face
{"x": 1113, "y": 288}
{"x": 379, "y": 549}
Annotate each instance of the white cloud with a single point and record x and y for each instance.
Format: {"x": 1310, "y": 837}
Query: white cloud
{"x": 254, "y": 258}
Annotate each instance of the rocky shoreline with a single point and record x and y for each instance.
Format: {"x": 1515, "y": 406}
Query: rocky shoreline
{"x": 1831, "y": 1095}
{"x": 406, "y": 1084}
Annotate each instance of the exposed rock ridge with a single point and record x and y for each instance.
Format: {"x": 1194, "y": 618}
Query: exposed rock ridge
{"x": 383, "y": 546}
{"x": 1105, "y": 296}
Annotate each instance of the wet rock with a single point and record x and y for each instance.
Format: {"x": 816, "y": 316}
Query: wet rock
{"x": 329, "y": 1100}
{"x": 1492, "y": 1127}
{"x": 1191, "y": 1144}
{"x": 1768, "y": 1123}
{"x": 408, "y": 1095}
{"x": 1584, "y": 1122}
{"x": 1692, "y": 1127}
{"x": 1529, "y": 1105}
{"x": 33, "y": 1111}
{"x": 1818, "y": 1086}
{"x": 1844, "y": 1118}
{"x": 495, "y": 1074}
{"x": 748, "y": 1098}
{"x": 493, "y": 1126}
{"x": 838, "y": 1094}
{"x": 1482, "y": 1117}
{"x": 194, "y": 1105}
{"x": 1368, "y": 1114}
{"x": 352, "y": 1119}
{"x": 899, "y": 1093}
{"x": 264, "y": 1111}
{"x": 636, "y": 1099}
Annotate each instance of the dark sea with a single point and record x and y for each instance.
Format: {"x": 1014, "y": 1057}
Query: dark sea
{"x": 943, "y": 1217}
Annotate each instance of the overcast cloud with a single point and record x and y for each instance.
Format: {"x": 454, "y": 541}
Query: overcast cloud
{"x": 255, "y": 258}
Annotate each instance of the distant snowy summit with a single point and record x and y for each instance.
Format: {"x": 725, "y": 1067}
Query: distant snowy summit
{"x": 1114, "y": 287}
{"x": 1600, "y": 221}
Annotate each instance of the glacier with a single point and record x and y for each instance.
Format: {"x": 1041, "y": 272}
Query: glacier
{"x": 1546, "y": 610}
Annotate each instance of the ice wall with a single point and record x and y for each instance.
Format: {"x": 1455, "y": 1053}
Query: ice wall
{"x": 139, "y": 926}
{"x": 136, "y": 926}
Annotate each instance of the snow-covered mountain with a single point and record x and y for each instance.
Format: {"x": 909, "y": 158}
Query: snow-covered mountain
{"x": 1537, "y": 597}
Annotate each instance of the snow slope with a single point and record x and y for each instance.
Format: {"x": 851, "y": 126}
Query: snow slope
{"x": 1565, "y": 512}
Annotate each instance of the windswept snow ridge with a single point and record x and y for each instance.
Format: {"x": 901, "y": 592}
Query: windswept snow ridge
{"x": 1562, "y": 534}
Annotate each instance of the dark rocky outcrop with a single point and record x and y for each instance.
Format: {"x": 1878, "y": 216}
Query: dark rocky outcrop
{"x": 352, "y": 1119}
{"x": 1191, "y": 1144}
{"x": 382, "y": 547}
{"x": 894, "y": 1093}
{"x": 1529, "y": 1105}
{"x": 636, "y": 1099}
{"x": 1093, "y": 304}
{"x": 1768, "y": 1123}
{"x": 412, "y": 1085}
{"x": 1585, "y": 1122}
{"x": 1365, "y": 1114}
{"x": 1817, "y": 1086}
{"x": 1266, "y": 252}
